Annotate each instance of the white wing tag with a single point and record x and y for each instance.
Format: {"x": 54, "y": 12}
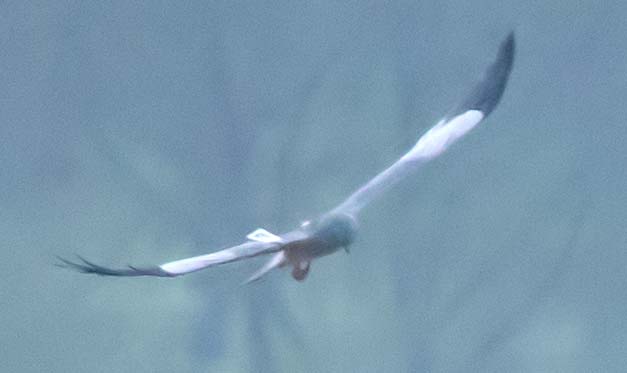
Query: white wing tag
{"x": 262, "y": 235}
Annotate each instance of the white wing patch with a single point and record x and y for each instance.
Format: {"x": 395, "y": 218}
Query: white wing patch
{"x": 262, "y": 235}
{"x": 443, "y": 134}
{"x": 433, "y": 143}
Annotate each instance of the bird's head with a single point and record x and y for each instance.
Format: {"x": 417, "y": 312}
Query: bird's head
{"x": 338, "y": 230}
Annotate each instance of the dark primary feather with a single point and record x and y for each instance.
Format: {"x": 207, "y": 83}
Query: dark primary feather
{"x": 89, "y": 267}
{"x": 487, "y": 93}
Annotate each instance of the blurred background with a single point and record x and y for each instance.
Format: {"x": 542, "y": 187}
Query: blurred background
{"x": 141, "y": 133}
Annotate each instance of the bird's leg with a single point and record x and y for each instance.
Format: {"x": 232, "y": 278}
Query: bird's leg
{"x": 300, "y": 270}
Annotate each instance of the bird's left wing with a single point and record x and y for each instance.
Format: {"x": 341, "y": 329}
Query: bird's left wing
{"x": 482, "y": 100}
{"x": 255, "y": 247}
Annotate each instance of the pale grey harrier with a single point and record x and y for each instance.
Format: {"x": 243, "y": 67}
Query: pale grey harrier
{"x": 337, "y": 228}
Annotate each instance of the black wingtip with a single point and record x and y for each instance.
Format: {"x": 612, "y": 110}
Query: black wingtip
{"x": 487, "y": 94}
{"x": 507, "y": 49}
{"x": 91, "y": 268}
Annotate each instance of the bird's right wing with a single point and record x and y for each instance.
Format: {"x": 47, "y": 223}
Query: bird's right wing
{"x": 482, "y": 100}
{"x": 184, "y": 266}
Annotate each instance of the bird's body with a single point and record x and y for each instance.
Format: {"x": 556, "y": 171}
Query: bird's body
{"x": 324, "y": 237}
{"x": 312, "y": 240}
{"x": 337, "y": 229}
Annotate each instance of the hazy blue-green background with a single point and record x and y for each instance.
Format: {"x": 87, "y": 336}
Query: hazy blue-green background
{"x": 146, "y": 132}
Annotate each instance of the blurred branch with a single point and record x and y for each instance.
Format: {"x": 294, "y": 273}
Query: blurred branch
{"x": 267, "y": 309}
{"x": 524, "y": 312}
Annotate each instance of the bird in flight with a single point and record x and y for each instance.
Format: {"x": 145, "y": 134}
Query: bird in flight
{"x": 337, "y": 228}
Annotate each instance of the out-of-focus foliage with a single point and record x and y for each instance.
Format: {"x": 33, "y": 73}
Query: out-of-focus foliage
{"x": 145, "y": 132}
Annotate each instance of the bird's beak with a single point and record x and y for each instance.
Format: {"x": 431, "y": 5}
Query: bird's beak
{"x": 347, "y": 250}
